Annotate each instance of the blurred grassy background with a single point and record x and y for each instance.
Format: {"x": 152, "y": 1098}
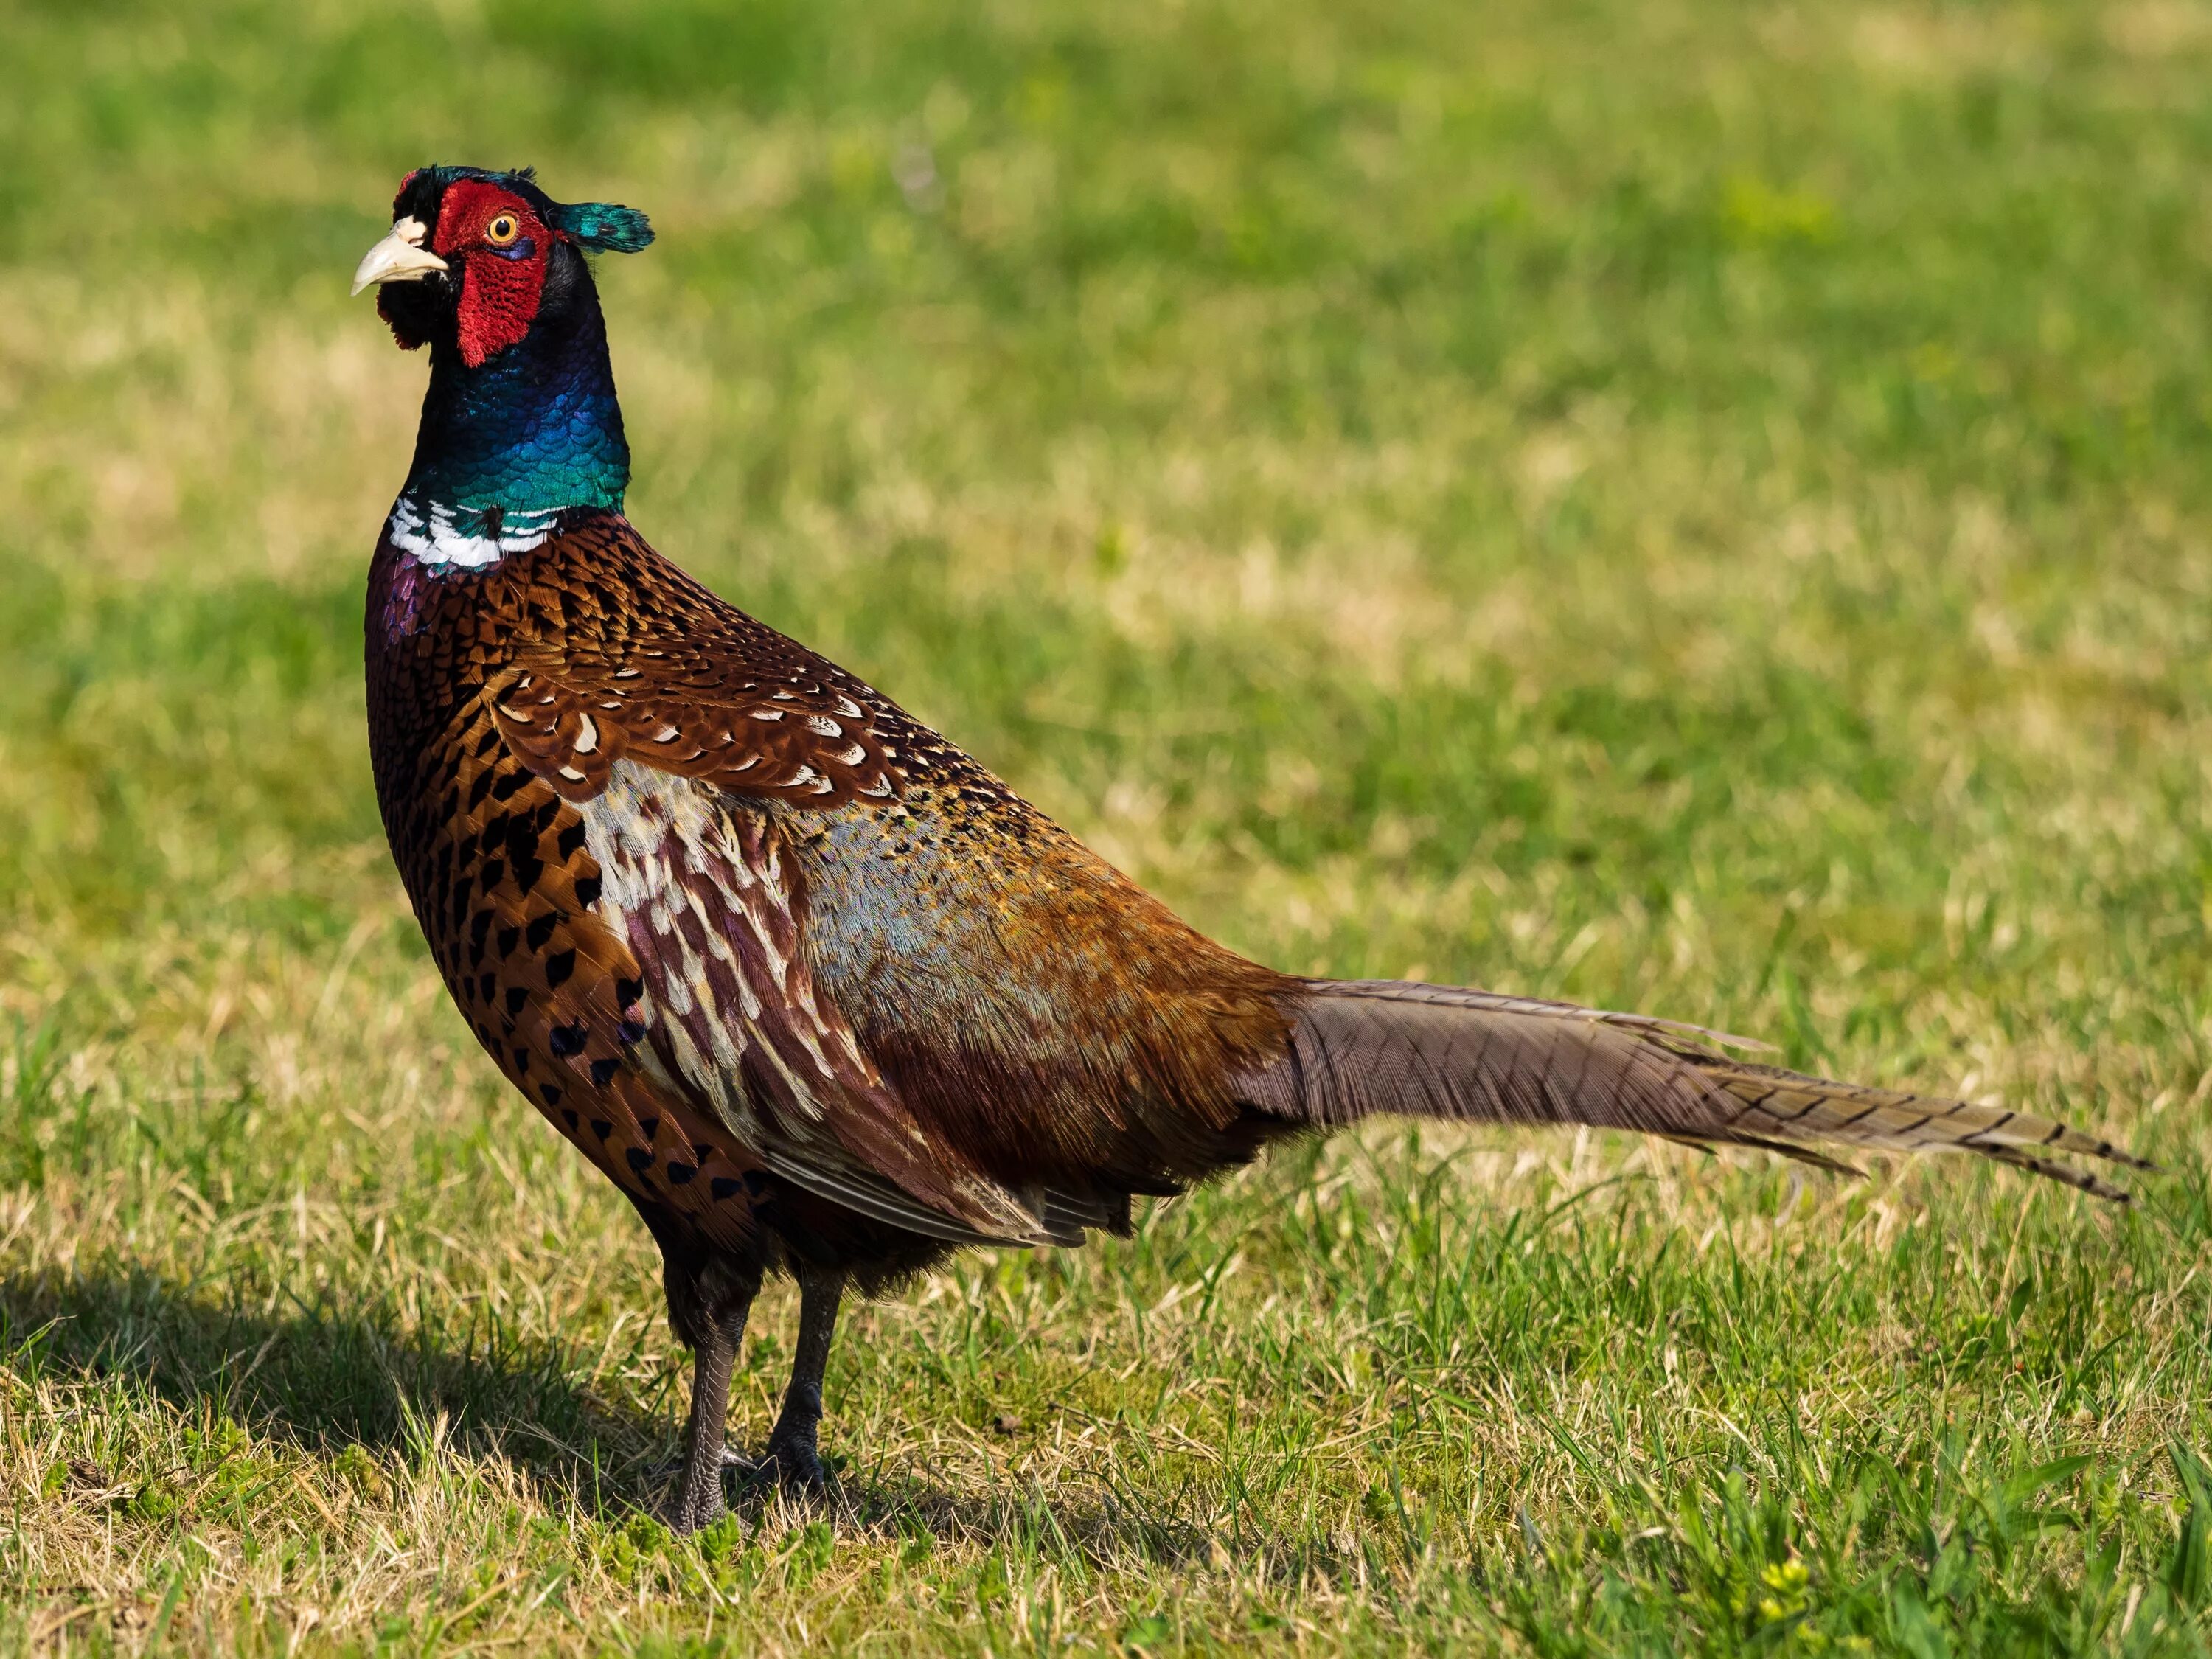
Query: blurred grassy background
{"x": 1687, "y": 506}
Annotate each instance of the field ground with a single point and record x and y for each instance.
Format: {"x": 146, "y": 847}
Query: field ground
{"x": 1683, "y": 506}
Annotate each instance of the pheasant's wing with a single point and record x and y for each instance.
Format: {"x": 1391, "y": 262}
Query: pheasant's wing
{"x": 683, "y": 731}
{"x": 711, "y": 900}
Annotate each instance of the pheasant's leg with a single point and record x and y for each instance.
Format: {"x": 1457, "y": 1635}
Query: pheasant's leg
{"x": 791, "y": 1456}
{"x": 697, "y": 1499}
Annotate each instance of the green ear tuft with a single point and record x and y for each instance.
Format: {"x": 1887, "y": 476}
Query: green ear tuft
{"x": 604, "y": 228}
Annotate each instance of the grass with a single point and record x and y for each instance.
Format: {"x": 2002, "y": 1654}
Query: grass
{"x": 1688, "y": 507}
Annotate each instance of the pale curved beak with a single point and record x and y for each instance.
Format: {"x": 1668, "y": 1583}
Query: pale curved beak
{"x": 399, "y": 257}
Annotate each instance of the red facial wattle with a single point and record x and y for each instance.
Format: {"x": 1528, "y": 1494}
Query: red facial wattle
{"x": 500, "y": 245}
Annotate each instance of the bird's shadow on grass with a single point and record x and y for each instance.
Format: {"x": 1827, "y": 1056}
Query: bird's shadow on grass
{"x": 327, "y": 1377}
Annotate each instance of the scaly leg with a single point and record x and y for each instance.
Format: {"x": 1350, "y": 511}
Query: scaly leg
{"x": 791, "y": 1457}
{"x": 697, "y": 1499}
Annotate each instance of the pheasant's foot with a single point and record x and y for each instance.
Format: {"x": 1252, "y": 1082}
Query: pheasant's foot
{"x": 792, "y": 1464}
{"x": 697, "y": 1498}
{"x": 685, "y": 1510}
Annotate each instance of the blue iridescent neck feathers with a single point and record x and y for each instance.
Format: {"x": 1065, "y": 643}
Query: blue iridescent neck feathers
{"x": 533, "y": 430}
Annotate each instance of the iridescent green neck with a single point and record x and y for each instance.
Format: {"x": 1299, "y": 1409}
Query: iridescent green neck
{"x": 535, "y": 428}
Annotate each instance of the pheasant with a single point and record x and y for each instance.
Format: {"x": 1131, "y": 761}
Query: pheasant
{"x": 815, "y": 990}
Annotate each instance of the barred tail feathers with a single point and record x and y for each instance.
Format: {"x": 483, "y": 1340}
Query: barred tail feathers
{"x": 1361, "y": 1048}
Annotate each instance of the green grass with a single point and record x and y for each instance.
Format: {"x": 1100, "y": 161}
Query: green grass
{"x": 1696, "y": 507}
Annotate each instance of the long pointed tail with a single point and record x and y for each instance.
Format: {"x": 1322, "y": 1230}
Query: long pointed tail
{"x": 1361, "y": 1048}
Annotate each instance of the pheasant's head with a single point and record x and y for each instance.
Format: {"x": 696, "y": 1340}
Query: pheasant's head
{"x": 475, "y": 258}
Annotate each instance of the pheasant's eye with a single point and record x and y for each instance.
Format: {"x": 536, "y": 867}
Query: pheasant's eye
{"x": 503, "y": 230}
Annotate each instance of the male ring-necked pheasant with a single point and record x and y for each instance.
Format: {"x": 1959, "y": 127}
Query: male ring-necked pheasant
{"x": 814, "y": 989}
